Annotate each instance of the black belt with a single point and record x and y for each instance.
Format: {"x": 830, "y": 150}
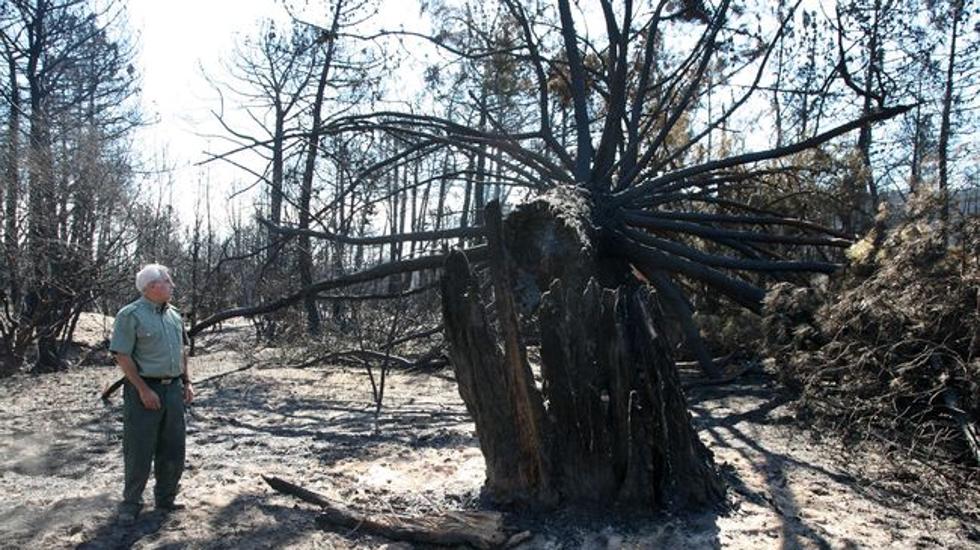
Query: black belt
{"x": 163, "y": 381}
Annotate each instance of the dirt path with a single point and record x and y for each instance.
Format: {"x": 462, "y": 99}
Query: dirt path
{"x": 60, "y": 469}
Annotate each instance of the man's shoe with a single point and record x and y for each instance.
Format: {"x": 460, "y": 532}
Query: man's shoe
{"x": 169, "y": 506}
{"x": 126, "y": 518}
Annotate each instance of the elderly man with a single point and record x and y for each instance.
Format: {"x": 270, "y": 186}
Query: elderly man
{"x": 148, "y": 342}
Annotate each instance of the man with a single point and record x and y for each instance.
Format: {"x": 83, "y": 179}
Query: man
{"x": 148, "y": 341}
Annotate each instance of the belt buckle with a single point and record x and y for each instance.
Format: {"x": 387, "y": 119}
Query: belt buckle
{"x": 166, "y": 381}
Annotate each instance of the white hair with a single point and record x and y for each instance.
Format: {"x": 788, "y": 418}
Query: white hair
{"x": 149, "y": 274}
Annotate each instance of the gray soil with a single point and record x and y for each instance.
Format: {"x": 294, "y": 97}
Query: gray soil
{"x": 61, "y": 471}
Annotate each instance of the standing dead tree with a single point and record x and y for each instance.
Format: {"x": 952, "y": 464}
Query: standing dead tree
{"x": 629, "y": 217}
{"x": 69, "y": 89}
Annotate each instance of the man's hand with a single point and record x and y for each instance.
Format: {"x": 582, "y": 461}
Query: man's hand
{"x": 188, "y": 393}
{"x": 150, "y": 399}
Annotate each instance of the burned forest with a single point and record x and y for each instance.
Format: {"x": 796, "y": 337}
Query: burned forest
{"x": 523, "y": 274}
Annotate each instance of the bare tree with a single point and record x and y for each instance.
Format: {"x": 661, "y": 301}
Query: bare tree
{"x": 625, "y": 207}
{"x": 305, "y": 255}
{"x": 955, "y": 12}
{"x": 70, "y": 80}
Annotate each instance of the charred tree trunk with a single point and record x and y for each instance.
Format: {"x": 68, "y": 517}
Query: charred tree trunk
{"x": 944, "y": 125}
{"x": 499, "y": 394}
{"x": 304, "y": 252}
{"x": 44, "y": 296}
{"x": 12, "y": 185}
{"x": 609, "y": 421}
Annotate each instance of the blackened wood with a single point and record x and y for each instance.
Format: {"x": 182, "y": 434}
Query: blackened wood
{"x": 576, "y": 382}
{"x": 613, "y": 426}
{"x": 680, "y": 467}
{"x": 477, "y": 529}
{"x": 528, "y": 408}
{"x": 515, "y": 466}
{"x": 371, "y": 274}
{"x": 618, "y": 415}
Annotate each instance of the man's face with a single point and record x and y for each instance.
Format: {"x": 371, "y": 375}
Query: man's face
{"x": 160, "y": 290}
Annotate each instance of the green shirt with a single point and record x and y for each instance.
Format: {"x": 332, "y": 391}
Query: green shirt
{"x": 152, "y": 335}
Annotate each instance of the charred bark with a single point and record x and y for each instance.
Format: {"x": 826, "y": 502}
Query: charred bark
{"x": 609, "y": 422}
{"x": 504, "y": 404}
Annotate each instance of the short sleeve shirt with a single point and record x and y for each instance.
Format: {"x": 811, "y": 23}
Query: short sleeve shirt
{"x": 152, "y": 335}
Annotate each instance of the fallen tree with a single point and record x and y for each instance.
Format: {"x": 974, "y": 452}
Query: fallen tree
{"x": 625, "y": 221}
{"x": 892, "y": 350}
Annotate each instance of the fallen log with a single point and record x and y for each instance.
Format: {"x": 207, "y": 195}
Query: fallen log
{"x": 477, "y": 529}
{"x": 428, "y": 360}
{"x": 362, "y": 354}
{"x": 730, "y": 375}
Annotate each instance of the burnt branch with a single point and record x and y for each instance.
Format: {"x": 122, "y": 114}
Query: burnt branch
{"x": 743, "y": 293}
{"x": 652, "y": 221}
{"x": 435, "y": 261}
{"x": 651, "y": 186}
{"x": 456, "y": 233}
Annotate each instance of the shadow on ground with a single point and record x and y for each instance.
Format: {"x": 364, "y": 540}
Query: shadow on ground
{"x": 731, "y": 416}
{"x": 255, "y": 413}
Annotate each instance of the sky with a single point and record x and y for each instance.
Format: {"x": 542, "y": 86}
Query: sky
{"x": 175, "y": 40}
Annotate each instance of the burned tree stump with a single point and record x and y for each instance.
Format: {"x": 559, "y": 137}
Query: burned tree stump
{"x": 500, "y": 395}
{"x": 609, "y": 423}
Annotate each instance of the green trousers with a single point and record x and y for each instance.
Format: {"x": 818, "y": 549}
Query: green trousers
{"x": 153, "y": 437}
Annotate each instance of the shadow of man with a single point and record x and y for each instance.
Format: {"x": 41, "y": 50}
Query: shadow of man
{"x": 112, "y": 535}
